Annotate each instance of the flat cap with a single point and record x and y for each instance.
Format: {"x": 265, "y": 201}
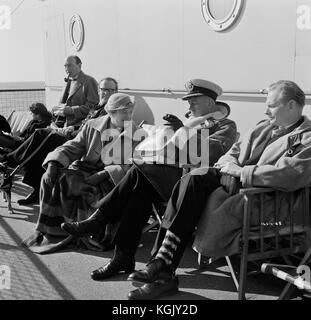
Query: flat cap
{"x": 118, "y": 101}
{"x": 200, "y": 87}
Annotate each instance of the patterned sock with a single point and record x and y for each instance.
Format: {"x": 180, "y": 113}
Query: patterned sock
{"x": 168, "y": 248}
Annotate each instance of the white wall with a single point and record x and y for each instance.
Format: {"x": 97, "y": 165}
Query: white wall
{"x": 21, "y": 53}
{"x": 148, "y": 45}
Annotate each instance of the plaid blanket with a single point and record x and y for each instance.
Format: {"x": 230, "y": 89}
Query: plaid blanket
{"x": 70, "y": 199}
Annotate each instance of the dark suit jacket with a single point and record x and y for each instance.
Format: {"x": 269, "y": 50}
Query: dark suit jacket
{"x": 83, "y": 96}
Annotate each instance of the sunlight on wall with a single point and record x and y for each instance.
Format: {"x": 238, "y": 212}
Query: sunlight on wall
{"x": 21, "y": 54}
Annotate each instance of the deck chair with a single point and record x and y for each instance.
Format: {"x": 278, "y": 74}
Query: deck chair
{"x": 267, "y": 241}
{"x": 18, "y": 121}
{"x": 155, "y": 216}
{"x": 7, "y": 174}
{"x": 158, "y": 209}
{"x": 297, "y": 277}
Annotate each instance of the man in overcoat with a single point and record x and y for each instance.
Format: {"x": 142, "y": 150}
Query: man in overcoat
{"x": 130, "y": 202}
{"x": 276, "y": 153}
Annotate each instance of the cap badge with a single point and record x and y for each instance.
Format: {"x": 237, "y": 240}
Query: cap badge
{"x": 189, "y": 86}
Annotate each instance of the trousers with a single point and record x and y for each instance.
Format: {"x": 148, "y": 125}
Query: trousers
{"x": 129, "y": 203}
{"x": 185, "y": 208}
{"x": 33, "y": 169}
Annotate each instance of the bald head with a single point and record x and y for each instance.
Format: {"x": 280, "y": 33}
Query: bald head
{"x": 73, "y": 66}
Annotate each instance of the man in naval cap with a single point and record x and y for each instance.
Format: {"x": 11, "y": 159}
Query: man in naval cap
{"x": 276, "y": 153}
{"x": 130, "y": 202}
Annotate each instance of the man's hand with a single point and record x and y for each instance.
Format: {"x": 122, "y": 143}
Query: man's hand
{"x": 60, "y": 106}
{"x": 51, "y": 174}
{"x": 173, "y": 122}
{"x": 68, "y": 130}
{"x": 62, "y": 110}
{"x": 231, "y": 169}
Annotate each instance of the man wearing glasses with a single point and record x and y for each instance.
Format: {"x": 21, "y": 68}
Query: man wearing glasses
{"x": 33, "y": 170}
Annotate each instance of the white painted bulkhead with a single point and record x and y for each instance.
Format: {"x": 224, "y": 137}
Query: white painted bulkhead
{"x": 153, "y": 46}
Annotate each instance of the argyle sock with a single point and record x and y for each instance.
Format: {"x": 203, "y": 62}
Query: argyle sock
{"x": 168, "y": 248}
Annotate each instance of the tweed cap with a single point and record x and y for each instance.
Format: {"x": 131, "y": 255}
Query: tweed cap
{"x": 200, "y": 87}
{"x": 118, "y": 101}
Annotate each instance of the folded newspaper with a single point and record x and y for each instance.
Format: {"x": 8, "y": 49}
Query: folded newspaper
{"x": 186, "y": 146}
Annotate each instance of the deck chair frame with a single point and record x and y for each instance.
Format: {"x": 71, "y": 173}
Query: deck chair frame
{"x": 291, "y": 233}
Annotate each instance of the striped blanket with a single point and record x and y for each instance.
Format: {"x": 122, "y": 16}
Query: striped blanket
{"x": 70, "y": 199}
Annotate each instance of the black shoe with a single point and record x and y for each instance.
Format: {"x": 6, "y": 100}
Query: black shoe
{"x": 78, "y": 229}
{"x": 154, "y": 290}
{"x": 119, "y": 263}
{"x": 33, "y": 198}
{"x": 155, "y": 270}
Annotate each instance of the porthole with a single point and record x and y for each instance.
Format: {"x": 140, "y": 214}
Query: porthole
{"x": 221, "y": 14}
{"x": 76, "y": 32}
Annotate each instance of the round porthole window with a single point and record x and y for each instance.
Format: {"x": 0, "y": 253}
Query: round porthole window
{"x": 76, "y": 32}
{"x": 221, "y": 14}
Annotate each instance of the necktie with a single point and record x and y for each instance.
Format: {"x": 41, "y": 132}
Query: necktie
{"x": 66, "y": 92}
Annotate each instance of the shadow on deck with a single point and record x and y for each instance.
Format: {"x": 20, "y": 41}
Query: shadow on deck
{"x": 66, "y": 275}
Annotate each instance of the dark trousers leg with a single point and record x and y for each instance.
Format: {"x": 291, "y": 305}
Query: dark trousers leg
{"x": 185, "y": 207}
{"x": 27, "y": 147}
{"x": 135, "y": 215}
{"x": 130, "y": 204}
{"x": 7, "y": 141}
{"x": 33, "y": 175}
{"x": 33, "y": 170}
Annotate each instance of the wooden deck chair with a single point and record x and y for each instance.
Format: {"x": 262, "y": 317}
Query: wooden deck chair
{"x": 18, "y": 121}
{"x": 156, "y": 216}
{"x": 158, "y": 209}
{"x": 266, "y": 241}
{"x": 297, "y": 277}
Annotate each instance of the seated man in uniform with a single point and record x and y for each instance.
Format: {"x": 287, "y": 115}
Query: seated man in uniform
{"x": 276, "y": 153}
{"x": 130, "y": 202}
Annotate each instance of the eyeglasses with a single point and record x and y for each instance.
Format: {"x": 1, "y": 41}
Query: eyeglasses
{"x": 106, "y": 90}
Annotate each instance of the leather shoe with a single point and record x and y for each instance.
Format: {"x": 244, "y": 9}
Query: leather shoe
{"x": 119, "y": 263}
{"x": 155, "y": 270}
{"x": 154, "y": 290}
{"x": 33, "y": 198}
{"x": 79, "y": 229}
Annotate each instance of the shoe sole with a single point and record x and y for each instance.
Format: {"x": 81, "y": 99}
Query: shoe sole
{"x": 139, "y": 283}
{"x": 160, "y": 295}
{"x": 114, "y": 275}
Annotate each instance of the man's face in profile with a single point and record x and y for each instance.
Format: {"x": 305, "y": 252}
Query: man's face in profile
{"x": 105, "y": 90}
{"x": 72, "y": 68}
{"x": 199, "y": 106}
{"x": 277, "y": 110}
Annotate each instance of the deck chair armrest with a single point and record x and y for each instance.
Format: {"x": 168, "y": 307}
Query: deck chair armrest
{"x": 251, "y": 191}
{"x": 258, "y": 190}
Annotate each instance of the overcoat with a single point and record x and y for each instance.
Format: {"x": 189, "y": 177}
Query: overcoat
{"x": 284, "y": 164}
{"x": 164, "y": 177}
{"x": 83, "y": 97}
{"x": 88, "y": 147}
